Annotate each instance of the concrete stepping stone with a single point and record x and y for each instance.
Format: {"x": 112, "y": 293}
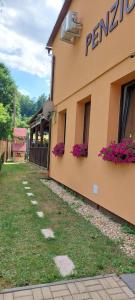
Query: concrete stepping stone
{"x": 34, "y": 202}
{"x": 64, "y": 265}
{"x": 30, "y": 194}
{"x": 129, "y": 279}
{"x": 40, "y": 214}
{"x": 27, "y": 188}
{"x": 25, "y": 182}
{"x": 48, "y": 233}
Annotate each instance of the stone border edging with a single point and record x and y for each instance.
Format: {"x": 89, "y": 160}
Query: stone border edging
{"x": 32, "y": 287}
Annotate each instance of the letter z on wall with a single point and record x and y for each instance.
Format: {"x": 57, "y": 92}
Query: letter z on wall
{"x": 105, "y": 26}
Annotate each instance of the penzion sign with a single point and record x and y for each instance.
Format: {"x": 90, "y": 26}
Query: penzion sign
{"x": 105, "y": 26}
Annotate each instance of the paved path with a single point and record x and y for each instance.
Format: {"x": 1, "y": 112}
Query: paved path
{"x": 97, "y": 288}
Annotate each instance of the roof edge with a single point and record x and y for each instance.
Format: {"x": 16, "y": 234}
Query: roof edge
{"x": 35, "y": 115}
{"x": 58, "y": 23}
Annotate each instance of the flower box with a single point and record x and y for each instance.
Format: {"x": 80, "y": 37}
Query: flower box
{"x": 80, "y": 150}
{"x": 123, "y": 152}
{"x": 59, "y": 149}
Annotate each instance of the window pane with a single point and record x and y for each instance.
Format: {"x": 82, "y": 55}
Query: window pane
{"x": 62, "y": 127}
{"x": 130, "y": 126}
{"x": 86, "y": 123}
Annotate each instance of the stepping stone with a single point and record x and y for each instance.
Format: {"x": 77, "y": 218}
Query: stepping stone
{"x": 64, "y": 265}
{"x": 27, "y": 188}
{"x": 40, "y": 214}
{"x": 129, "y": 279}
{"x": 34, "y": 202}
{"x": 25, "y": 182}
{"x": 48, "y": 233}
{"x": 30, "y": 194}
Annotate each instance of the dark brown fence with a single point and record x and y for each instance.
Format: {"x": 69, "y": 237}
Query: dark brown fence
{"x": 6, "y": 148}
{"x": 39, "y": 156}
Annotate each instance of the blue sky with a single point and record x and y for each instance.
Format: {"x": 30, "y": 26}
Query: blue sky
{"x": 29, "y": 84}
{"x": 25, "y": 26}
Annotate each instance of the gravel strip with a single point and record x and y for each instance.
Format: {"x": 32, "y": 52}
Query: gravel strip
{"x": 106, "y": 225}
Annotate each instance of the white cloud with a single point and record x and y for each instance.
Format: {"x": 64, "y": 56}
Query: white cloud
{"x": 25, "y": 27}
{"x": 12, "y": 13}
{"x": 55, "y": 4}
{"x": 24, "y": 92}
{"x": 23, "y": 54}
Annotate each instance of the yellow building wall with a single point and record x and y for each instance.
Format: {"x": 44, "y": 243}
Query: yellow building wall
{"x": 100, "y": 76}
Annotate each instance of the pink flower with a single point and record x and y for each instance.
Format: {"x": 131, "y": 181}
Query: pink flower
{"x": 59, "y": 149}
{"x": 123, "y": 152}
{"x": 80, "y": 150}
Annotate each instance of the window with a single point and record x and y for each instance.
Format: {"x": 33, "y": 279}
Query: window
{"x": 62, "y": 120}
{"x": 82, "y": 126}
{"x": 127, "y": 114}
{"x": 87, "y": 108}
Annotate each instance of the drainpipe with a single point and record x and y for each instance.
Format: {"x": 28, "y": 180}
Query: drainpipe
{"x": 51, "y": 99}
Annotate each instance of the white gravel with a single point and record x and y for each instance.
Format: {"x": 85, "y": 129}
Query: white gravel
{"x": 106, "y": 225}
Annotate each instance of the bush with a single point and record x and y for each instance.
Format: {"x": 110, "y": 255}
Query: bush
{"x": 80, "y": 150}
{"x": 1, "y": 161}
{"x": 123, "y": 152}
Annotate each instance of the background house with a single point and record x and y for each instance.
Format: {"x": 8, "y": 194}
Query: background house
{"x": 19, "y": 144}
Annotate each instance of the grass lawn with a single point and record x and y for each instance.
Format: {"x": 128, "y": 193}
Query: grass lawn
{"x": 26, "y": 257}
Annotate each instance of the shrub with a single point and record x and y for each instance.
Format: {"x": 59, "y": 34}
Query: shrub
{"x": 1, "y": 161}
{"x": 59, "y": 149}
{"x": 123, "y": 152}
{"x": 0, "y": 164}
{"x": 130, "y": 229}
{"x": 80, "y": 150}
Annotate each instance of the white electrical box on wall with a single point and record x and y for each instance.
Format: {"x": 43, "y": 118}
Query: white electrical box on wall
{"x": 95, "y": 189}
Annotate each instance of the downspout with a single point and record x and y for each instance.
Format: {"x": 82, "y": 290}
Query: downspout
{"x": 51, "y": 99}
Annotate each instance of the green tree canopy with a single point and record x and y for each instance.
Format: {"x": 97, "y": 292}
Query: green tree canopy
{"x": 8, "y": 88}
{"x": 5, "y": 123}
{"x": 40, "y": 101}
{"x": 25, "y": 106}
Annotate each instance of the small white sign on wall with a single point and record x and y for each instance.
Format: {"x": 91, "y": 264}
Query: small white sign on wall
{"x": 95, "y": 189}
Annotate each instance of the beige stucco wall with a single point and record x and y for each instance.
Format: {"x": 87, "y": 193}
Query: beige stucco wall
{"x": 99, "y": 76}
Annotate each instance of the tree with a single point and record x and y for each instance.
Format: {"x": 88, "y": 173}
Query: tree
{"x": 5, "y": 123}
{"x": 9, "y": 95}
{"x": 40, "y": 101}
{"x": 22, "y": 122}
{"x": 27, "y": 106}
{"x": 8, "y": 88}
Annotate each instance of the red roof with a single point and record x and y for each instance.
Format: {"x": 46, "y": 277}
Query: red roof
{"x": 20, "y": 132}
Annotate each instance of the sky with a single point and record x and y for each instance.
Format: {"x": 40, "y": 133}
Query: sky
{"x": 25, "y": 26}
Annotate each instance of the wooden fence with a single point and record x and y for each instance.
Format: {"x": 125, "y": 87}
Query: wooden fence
{"x": 6, "y": 148}
{"x": 39, "y": 156}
